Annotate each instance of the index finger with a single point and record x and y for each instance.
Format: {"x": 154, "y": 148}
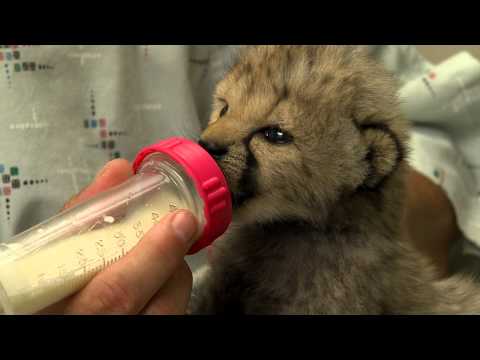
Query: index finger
{"x": 113, "y": 174}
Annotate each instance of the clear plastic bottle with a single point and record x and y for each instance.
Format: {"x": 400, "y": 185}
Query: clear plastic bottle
{"x": 57, "y": 258}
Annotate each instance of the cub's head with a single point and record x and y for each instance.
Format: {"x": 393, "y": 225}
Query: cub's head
{"x": 300, "y": 130}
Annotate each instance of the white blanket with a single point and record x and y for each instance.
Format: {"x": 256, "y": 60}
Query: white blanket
{"x": 443, "y": 102}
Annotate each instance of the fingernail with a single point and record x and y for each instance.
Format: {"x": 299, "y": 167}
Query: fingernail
{"x": 185, "y": 226}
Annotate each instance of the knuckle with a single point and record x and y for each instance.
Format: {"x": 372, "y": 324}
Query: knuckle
{"x": 113, "y": 297}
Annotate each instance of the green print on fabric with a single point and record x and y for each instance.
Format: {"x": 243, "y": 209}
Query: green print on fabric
{"x": 16, "y": 63}
{"x": 10, "y": 183}
{"x": 106, "y": 136}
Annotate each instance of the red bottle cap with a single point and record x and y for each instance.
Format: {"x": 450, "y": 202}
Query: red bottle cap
{"x": 209, "y": 182}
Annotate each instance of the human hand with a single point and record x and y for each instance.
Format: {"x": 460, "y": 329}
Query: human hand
{"x": 152, "y": 279}
{"x": 430, "y": 222}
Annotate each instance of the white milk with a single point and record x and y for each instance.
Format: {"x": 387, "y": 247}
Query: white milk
{"x": 47, "y": 276}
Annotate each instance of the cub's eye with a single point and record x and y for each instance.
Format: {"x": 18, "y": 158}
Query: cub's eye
{"x": 276, "y": 135}
{"x": 225, "y": 108}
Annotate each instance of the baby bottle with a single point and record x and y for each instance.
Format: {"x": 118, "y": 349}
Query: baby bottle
{"x": 57, "y": 258}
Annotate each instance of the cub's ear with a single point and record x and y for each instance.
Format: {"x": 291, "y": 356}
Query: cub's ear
{"x": 385, "y": 152}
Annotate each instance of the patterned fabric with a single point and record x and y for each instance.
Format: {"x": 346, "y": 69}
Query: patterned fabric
{"x": 66, "y": 110}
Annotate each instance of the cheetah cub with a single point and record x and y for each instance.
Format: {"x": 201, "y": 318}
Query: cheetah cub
{"x": 313, "y": 146}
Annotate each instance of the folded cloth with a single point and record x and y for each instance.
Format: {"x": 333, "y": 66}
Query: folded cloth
{"x": 443, "y": 103}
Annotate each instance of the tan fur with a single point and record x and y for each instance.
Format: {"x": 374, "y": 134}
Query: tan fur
{"x": 319, "y": 230}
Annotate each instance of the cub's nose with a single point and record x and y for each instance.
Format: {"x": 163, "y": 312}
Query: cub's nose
{"x": 216, "y": 151}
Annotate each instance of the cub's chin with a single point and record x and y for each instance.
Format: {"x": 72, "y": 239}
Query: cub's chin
{"x": 244, "y": 209}
{"x": 247, "y": 208}
{"x": 242, "y": 194}
{"x": 260, "y": 210}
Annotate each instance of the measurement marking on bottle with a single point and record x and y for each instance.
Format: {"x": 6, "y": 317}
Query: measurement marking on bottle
{"x": 82, "y": 260}
{"x": 156, "y": 218}
{"x": 94, "y": 226}
{"x": 100, "y": 248}
{"x": 129, "y": 198}
{"x": 138, "y": 230}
